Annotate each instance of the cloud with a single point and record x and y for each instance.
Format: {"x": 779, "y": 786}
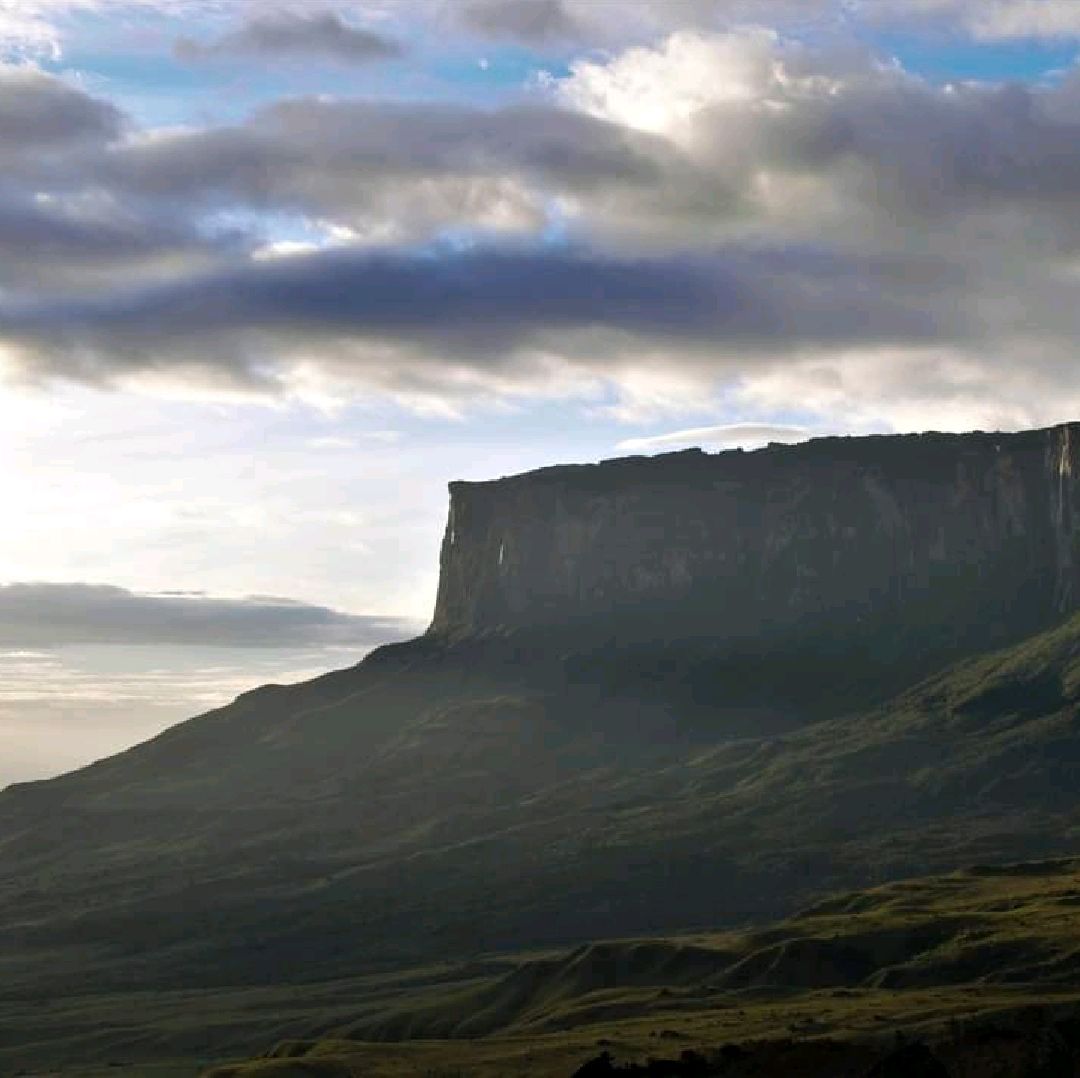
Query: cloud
{"x": 764, "y": 122}
{"x": 39, "y": 112}
{"x": 750, "y": 212}
{"x": 982, "y": 20}
{"x": 58, "y": 225}
{"x": 288, "y": 34}
{"x": 27, "y": 27}
{"x": 726, "y": 436}
{"x": 37, "y": 29}
{"x": 664, "y": 88}
{"x": 479, "y": 321}
{"x": 530, "y": 21}
{"x": 36, "y": 616}
{"x": 586, "y": 23}
{"x": 391, "y": 171}
{"x": 90, "y": 244}
{"x": 986, "y": 20}
{"x": 1025, "y": 18}
{"x": 697, "y": 141}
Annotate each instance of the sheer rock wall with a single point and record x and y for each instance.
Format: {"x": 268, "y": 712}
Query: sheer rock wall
{"x": 980, "y": 528}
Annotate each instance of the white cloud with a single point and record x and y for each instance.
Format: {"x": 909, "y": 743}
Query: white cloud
{"x": 663, "y": 89}
{"x": 725, "y": 436}
{"x": 27, "y": 27}
{"x": 912, "y": 389}
{"x": 1025, "y": 18}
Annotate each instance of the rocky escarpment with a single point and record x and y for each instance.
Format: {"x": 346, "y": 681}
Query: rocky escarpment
{"x": 977, "y": 532}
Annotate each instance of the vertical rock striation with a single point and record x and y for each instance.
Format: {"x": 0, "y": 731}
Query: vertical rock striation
{"x": 905, "y": 532}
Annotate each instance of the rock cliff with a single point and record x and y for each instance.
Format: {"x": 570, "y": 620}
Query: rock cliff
{"x": 907, "y": 533}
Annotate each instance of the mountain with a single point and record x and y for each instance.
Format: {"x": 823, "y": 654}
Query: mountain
{"x": 657, "y": 694}
{"x": 832, "y": 534}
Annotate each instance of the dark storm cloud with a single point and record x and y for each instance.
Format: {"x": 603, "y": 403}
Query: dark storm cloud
{"x": 479, "y": 306}
{"x": 530, "y": 21}
{"x": 285, "y": 34}
{"x": 53, "y": 615}
{"x": 45, "y": 244}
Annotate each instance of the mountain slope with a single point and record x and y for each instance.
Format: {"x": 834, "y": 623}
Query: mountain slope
{"x": 467, "y": 817}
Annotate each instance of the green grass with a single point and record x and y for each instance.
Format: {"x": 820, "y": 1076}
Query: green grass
{"x": 913, "y": 956}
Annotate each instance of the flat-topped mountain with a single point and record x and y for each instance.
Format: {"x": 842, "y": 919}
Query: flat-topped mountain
{"x": 836, "y": 531}
{"x": 656, "y": 695}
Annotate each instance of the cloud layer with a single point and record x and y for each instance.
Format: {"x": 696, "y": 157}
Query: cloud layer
{"x": 62, "y": 615}
{"x": 790, "y": 228}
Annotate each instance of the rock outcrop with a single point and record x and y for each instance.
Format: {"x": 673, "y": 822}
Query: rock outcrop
{"x": 977, "y": 532}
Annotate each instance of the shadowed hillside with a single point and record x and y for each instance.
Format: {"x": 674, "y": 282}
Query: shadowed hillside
{"x": 966, "y": 767}
{"x": 428, "y": 813}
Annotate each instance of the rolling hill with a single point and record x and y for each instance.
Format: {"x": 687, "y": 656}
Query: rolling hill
{"x": 979, "y": 968}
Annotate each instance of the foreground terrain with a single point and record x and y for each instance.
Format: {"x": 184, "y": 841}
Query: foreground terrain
{"x": 983, "y": 966}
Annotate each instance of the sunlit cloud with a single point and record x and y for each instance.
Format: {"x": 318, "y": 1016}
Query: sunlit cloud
{"x": 725, "y": 436}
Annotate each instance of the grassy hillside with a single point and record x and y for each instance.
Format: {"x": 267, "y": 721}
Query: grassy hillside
{"x": 982, "y": 960}
{"x": 419, "y": 809}
{"x": 934, "y": 959}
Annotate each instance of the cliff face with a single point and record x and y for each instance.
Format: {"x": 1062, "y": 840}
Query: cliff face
{"x": 981, "y": 529}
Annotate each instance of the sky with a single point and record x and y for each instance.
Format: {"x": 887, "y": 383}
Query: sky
{"x": 273, "y": 272}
